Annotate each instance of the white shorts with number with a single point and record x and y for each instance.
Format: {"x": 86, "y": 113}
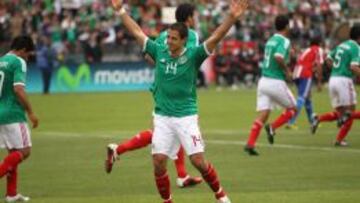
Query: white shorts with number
{"x": 15, "y": 136}
{"x": 342, "y": 91}
{"x": 271, "y": 92}
{"x": 170, "y": 132}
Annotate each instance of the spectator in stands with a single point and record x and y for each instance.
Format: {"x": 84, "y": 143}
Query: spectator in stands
{"x": 45, "y": 61}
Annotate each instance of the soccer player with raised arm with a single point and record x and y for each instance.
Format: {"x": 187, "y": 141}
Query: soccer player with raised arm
{"x": 309, "y": 62}
{"x": 184, "y": 13}
{"x": 14, "y": 131}
{"x": 344, "y": 61}
{"x": 174, "y": 94}
{"x": 272, "y": 88}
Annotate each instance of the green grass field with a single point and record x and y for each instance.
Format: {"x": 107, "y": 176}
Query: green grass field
{"x": 66, "y": 165}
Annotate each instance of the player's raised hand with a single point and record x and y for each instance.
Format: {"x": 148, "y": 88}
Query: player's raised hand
{"x": 238, "y": 7}
{"x": 117, "y": 4}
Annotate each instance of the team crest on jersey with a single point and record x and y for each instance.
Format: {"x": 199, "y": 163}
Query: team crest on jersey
{"x": 182, "y": 60}
{"x": 162, "y": 60}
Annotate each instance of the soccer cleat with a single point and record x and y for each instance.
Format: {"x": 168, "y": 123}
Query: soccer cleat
{"x": 314, "y": 124}
{"x": 251, "y": 151}
{"x": 291, "y": 127}
{"x": 168, "y": 201}
{"x": 341, "y": 144}
{"x": 221, "y": 197}
{"x": 270, "y": 133}
{"x": 224, "y": 199}
{"x": 188, "y": 181}
{"x": 17, "y": 198}
{"x": 111, "y": 157}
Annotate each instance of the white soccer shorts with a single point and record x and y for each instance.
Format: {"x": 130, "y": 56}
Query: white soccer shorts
{"x": 271, "y": 92}
{"x": 342, "y": 92}
{"x": 15, "y": 136}
{"x": 170, "y": 132}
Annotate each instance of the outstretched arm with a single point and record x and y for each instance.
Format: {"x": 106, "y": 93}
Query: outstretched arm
{"x": 237, "y": 9}
{"x": 128, "y": 22}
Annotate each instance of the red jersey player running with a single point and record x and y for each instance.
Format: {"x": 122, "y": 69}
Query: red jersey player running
{"x": 184, "y": 13}
{"x": 311, "y": 60}
{"x": 174, "y": 93}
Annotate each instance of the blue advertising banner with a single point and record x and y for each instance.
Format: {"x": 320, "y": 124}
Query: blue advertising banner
{"x": 124, "y": 76}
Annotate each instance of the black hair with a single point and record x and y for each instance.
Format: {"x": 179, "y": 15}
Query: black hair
{"x": 281, "y": 22}
{"x": 316, "y": 40}
{"x": 355, "y": 32}
{"x": 183, "y": 12}
{"x": 23, "y": 42}
{"x": 181, "y": 28}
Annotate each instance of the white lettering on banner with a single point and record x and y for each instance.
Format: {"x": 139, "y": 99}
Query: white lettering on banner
{"x": 116, "y": 77}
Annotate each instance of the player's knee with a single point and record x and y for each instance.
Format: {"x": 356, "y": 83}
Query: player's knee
{"x": 198, "y": 162}
{"x": 25, "y": 152}
{"x": 159, "y": 162}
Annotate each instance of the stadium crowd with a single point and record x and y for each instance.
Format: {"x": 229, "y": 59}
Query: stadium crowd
{"x": 88, "y": 28}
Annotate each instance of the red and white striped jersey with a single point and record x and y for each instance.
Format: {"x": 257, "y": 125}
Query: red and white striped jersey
{"x": 312, "y": 56}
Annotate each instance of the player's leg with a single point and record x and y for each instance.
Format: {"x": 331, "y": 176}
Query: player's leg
{"x": 263, "y": 106}
{"x": 140, "y": 140}
{"x": 15, "y": 137}
{"x": 335, "y": 88}
{"x": 162, "y": 179}
{"x": 283, "y": 97}
{"x": 184, "y": 179}
{"x": 210, "y": 176}
{"x": 309, "y": 109}
{"x": 303, "y": 86}
{"x": 189, "y": 134}
{"x": 164, "y": 145}
{"x": 255, "y": 132}
{"x": 346, "y": 127}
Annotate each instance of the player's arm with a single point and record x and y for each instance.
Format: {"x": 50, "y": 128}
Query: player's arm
{"x": 22, "y": 98}
{"x": 355, "y": 62}
{"x": 237, "y": 9}
{"x": 318, "y": 68}
{"x": 319, "y": 75}
{"x": 355, "y": 68}
{"x": 282, "y": 63}
{"x": 129, "y": 23}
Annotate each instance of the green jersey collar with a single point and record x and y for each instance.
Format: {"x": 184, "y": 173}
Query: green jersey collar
{"x": 280, "y": 35}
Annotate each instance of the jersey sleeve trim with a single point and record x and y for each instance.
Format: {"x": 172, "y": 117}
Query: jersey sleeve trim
{"x": 19, "y": 83}
{"x": 279, "y": 55}
{"x": 197, "y": 39}
{"x": 207, "y": 50}
{"x": 144, "y": 45}
{"x": 354, "y": 63}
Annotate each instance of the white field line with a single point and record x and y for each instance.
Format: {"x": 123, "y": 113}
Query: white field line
{"x": 128, "y": 134}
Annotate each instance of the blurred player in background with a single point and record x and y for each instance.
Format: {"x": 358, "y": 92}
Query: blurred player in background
{"x": 185, "y": 14}
{"x": 344, "y": 61}
{"x": 272, "y": 88}
{"x": 309, "y": 62}
{"x": 174, "y": 93}
{"x": 14, "y": 131}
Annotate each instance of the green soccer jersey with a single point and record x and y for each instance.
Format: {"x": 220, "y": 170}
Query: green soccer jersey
{"x": 12, "y": 72}
{"x": 174, "y": 88}
{"x": 343, "y": 56}
{"x": 192, "y": 40}
{"x": 277, "y": 45}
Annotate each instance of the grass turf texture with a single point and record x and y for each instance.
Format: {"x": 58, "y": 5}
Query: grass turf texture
{"x": 69, "y": 150}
